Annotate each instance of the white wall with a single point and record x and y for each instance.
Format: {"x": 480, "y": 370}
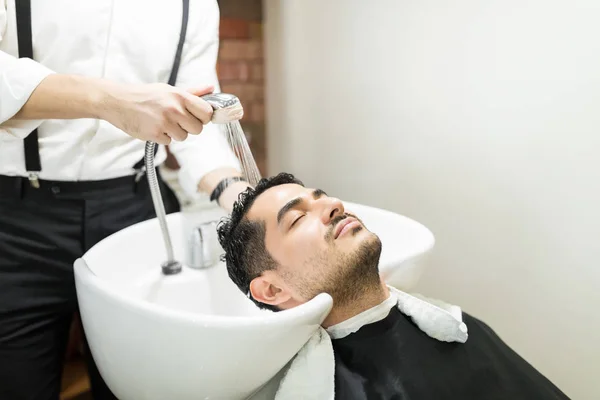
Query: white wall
{"x": 480, "y": 119}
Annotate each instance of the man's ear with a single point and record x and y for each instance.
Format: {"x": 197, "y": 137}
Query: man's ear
{"x": 268, "y": 289}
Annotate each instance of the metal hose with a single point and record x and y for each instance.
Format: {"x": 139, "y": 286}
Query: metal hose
{"x": 171, "y": 266}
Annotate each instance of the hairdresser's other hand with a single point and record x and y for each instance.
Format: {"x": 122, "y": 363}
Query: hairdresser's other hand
{"x": 157, "y": 112}
{"x": 230, "y": 195}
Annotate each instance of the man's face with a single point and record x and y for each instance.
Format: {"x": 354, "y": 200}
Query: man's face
{"x": 318, "y": 247}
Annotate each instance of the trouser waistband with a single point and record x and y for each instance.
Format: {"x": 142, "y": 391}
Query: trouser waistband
{"x": 20, "y": 187}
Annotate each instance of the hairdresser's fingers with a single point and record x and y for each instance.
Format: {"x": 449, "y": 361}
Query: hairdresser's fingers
{"x": 201, "y": 90}
{"x": 198, "y": 108}
{"x": 190, "y": 123}
{"x": 163, "y": 139}
{"x": 176, "y": 132}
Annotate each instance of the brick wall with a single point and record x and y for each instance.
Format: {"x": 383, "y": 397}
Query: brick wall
{"x": 240, "y": 69}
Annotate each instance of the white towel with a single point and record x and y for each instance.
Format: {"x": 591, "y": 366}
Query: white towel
{"x": 311, "y": 373}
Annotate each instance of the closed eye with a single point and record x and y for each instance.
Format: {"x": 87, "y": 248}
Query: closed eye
{"x": 296, "y": 220}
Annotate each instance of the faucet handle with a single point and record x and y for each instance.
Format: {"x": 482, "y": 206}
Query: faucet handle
{"x": 203, "y": 245}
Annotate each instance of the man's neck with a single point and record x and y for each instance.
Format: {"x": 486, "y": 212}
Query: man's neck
{"x": 370, "y": 298}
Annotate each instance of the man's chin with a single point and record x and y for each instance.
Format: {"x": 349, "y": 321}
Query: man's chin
{"x": 365, "y": 253}
{"x": 367, "y": 238}
{"x": 370, "y": 249}
{"x": 355, "y": 242}
{"x": 359, "y": 275}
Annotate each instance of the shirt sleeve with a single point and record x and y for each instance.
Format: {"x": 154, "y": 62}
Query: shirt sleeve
{"x": 200, "y": 154}
{"x": 18, "y": 79}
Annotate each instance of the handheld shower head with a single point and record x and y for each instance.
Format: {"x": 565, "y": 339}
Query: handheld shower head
{"x": 227, "y": 107}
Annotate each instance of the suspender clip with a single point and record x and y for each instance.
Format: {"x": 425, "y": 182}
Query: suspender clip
{"x": 33, "y": 180}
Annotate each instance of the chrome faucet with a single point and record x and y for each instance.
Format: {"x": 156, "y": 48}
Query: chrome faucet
{"x": 203, "y": 246}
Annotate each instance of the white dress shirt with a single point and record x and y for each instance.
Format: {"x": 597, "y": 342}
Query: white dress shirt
{"x": 131, "y": 41}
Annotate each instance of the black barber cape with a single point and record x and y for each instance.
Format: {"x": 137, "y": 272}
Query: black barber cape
{"x": 393, "y": 359}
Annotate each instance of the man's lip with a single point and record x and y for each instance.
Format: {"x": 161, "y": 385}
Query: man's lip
{"x": 340, "y": 226}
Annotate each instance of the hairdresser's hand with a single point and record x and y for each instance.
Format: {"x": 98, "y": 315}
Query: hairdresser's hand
{"x": 157, "y": 112}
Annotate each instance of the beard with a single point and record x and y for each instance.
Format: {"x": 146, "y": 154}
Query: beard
{"x": 357, "y": 273}
{"x": 354, "y": 275}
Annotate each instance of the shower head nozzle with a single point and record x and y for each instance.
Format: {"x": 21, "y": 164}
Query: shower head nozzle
{"x": 226, "y": 107}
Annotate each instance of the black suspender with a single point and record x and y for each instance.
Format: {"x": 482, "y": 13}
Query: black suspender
{"x": 140, "y": 166}
{"x": 32, "y": 153}
{"x": 23, "y": 11}
{"x": 182, "y": 34}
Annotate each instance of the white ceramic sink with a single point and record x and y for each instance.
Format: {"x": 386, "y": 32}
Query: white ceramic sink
{"x": 195, "y": 335}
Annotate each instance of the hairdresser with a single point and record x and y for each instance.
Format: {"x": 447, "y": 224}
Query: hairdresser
{"x": 82, "y": 85}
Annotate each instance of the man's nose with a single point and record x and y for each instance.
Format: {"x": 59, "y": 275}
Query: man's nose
{"x": 332, "y": 207}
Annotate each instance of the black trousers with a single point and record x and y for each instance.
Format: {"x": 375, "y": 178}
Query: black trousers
{"x": 42, "y": 232}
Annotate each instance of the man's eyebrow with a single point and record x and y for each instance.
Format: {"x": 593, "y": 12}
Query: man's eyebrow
{"x": 318, "y": 193}
{"x": 285, "y": 209}
{"x": 293, "y": 203}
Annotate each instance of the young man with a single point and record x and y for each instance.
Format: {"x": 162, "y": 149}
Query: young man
{"x": 284, "y": 244}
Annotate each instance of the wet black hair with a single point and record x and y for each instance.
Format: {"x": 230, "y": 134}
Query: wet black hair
{"x": 243, "y": 241}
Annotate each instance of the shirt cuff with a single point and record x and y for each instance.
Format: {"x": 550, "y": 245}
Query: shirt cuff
{"x": 20, "y": 128}
{"x": 201, "y": 154}
{"x": 18, "y": 79}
